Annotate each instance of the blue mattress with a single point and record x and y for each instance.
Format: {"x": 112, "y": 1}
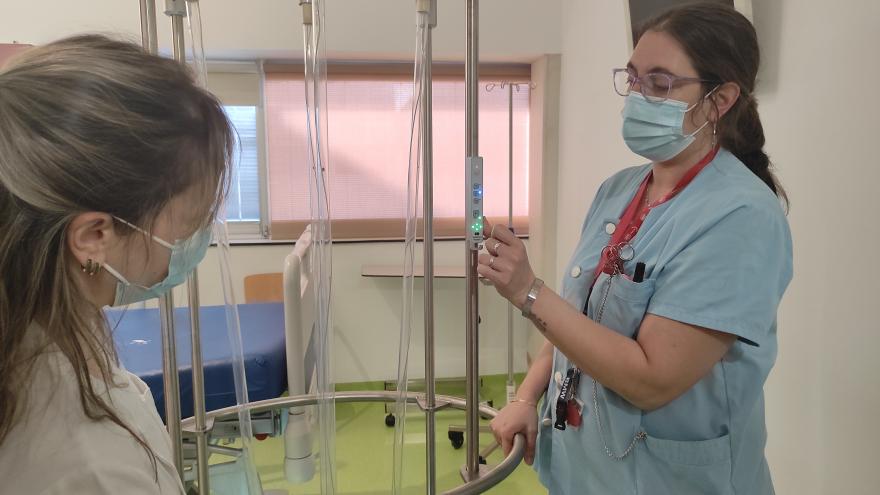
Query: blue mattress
{"x": 138, "y": 339}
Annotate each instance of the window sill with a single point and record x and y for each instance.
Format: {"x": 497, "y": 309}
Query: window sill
{"x": 288, "y": 242}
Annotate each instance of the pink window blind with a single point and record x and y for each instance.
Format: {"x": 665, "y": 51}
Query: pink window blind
{"x": 7, "y": 50}
{"x": 369, "y": 132}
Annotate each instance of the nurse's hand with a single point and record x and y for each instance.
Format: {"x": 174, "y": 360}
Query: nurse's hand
{"x": 516, "y": 417}
{"x": 507, "y": 264}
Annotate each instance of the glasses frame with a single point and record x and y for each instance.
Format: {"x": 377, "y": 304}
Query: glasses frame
{"x": 672, "y": 79}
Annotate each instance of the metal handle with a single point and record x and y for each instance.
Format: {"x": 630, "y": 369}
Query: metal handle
{"x": 489, "y": 479}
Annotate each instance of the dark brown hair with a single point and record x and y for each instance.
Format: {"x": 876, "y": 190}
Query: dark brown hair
{"x": 89, "y": 124}
{"x": 723, "y": 46}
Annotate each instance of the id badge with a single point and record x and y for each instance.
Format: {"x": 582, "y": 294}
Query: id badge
{"x": 575, "y": 413}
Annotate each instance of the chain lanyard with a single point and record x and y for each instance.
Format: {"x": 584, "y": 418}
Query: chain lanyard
{"x": 573, "y": 378}
{"x": 612, "y": 257}
{"x": 641, "y": 433}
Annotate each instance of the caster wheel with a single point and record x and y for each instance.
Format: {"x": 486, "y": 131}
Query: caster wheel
{"x": 457, "y": 439}
{"x": 390, "y": 420}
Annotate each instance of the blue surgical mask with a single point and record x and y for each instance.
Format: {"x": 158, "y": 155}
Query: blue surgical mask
{"x": 656, "y": 130}
{"x": 185, "y": 257}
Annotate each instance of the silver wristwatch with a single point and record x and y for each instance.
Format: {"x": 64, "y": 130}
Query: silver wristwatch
{"x": 531, "y": 297}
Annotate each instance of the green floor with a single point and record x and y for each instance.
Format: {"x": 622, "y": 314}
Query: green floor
{"x": 364, "y": 450}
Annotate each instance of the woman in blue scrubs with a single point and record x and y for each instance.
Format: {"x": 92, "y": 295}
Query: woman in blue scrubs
{"x": 665, "y": 329}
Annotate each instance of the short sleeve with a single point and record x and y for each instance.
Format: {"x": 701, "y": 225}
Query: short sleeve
{"x": 731, "y": 277}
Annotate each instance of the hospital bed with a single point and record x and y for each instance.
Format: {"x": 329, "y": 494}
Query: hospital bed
{"x": 138, "y": 339}
{"x": 278, "y": 356}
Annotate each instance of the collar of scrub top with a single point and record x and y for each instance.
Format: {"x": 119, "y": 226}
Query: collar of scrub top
{"x": 619, "y": 248}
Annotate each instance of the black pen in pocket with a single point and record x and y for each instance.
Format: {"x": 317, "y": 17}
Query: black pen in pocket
{"x": 639, "y": 274}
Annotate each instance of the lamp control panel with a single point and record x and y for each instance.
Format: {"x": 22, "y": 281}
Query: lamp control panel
{"x": 474, "y": 207}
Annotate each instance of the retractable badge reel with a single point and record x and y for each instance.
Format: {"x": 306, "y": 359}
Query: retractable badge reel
{"x": 618, "y": 254}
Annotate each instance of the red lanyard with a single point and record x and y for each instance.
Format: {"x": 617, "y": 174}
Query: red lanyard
{"x": 635, "y": 214}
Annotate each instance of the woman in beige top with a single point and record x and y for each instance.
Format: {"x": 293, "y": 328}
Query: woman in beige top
{"x": 113, "y": 164}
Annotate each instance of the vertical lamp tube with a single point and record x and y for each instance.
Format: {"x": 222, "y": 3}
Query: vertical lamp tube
{"x": 249, "y": 479}
{"x": 194, "y": 21}
{"x": 321, "y": 259}
{"x": 408, "y": 282}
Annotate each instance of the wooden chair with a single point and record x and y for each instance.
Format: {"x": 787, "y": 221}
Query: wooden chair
{"x": 264, "y": 287}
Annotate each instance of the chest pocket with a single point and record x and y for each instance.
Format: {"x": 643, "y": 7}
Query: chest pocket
{"x": 619, "y": 304}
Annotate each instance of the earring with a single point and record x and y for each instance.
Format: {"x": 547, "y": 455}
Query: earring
{"x": 714, "y": 133}
{"x": 91, "y": 268}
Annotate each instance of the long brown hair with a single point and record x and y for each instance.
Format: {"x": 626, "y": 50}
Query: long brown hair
{"x": 89, "y": 124}
{"x": 723, "y": 46}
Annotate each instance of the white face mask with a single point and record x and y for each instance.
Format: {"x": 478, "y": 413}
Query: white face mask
{"x": 185, "y": 257}
{"x": 656, "y": 130}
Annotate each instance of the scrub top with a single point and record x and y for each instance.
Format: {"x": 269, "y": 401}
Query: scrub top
{"x": 718, "y": 255}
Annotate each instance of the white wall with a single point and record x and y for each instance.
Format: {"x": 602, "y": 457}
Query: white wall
{"x": 824, "y": 399}
{"x": 820, "y": 117}
{"x": 366, "y": 311}
{"x": 273, "y": 28}
{"x": 543, "y": 165}
{"x": 590, "y": 146}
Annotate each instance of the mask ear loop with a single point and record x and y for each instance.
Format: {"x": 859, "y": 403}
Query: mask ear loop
{"x": 121, "y": 278}
{"x": 156, "y": 239}
{"x": 118, "y": 276}
{"x": 714, "y": 124}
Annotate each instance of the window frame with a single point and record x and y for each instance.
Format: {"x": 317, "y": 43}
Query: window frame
{"x": 247, "y": 231}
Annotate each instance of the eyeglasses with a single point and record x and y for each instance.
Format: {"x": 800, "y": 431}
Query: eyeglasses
{"x": 655, "y": 87}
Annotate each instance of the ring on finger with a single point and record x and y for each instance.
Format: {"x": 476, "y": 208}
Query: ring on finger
{"x": 491, "y": 261}
{"x": 498, "y": 248}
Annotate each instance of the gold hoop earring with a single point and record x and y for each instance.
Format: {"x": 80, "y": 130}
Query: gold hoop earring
{"x": 91, "y": 268}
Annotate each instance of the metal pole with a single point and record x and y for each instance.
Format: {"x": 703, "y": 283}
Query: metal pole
{"x": 148, "y": 26}
{"x": 511, "y": 385}
{"x": 430, "y": 7}
{"x": 192, "y": 288}
{"x": 176, "y": 9}
{"x": 198, "y": 381}
{"x": 170, "y": 380}
{"x": 472, "y": 395}
{"x": 177, "y": 38}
